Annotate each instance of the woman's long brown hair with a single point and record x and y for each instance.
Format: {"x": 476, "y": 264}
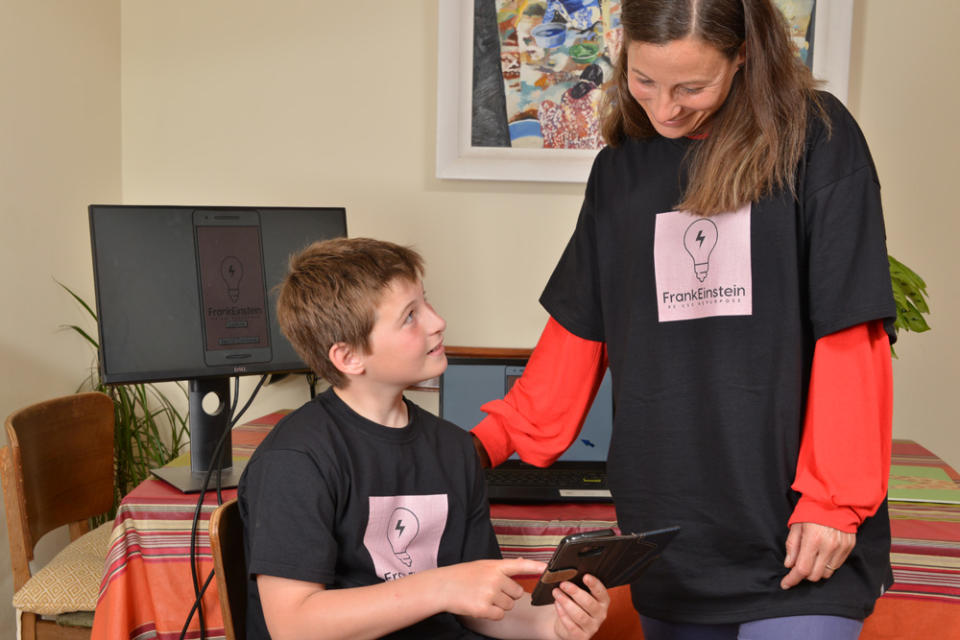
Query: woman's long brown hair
{"x": 756, "y": 138}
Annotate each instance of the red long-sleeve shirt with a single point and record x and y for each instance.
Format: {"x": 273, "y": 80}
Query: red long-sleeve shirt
{"x": 844, "y": 461}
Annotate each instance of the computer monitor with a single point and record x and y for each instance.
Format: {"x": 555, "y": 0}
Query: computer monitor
{"x": 188, "y": 293}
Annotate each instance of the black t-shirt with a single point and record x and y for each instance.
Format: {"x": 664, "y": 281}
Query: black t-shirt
{"x": 333, "y": 498}
{"x": 710, "y": 325}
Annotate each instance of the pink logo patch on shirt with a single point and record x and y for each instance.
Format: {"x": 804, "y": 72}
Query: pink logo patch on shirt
{"x": 703, "y": 265}
{"x": 403, "y": 533}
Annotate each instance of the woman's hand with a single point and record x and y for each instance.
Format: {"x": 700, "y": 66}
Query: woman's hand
{"x": 815, "y": 552}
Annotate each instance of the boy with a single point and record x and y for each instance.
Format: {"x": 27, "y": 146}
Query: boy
{"x": 362, "y": 491}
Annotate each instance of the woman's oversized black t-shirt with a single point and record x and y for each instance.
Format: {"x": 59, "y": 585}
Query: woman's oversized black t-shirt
{"x": 710, "y": 325}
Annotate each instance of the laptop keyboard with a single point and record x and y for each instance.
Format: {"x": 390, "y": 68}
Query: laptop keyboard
{"x": 559, "y": 478}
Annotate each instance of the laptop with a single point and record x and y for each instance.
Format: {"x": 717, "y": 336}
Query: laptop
{"x": 579, "y": 475}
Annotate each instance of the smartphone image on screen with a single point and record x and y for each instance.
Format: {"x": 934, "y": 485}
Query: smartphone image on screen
{"x": 233, "y": 295}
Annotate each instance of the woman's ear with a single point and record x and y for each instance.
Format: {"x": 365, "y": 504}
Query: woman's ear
{"x": 346, "y": 359}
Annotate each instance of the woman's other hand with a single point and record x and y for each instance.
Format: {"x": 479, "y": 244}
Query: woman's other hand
{"x": 815, "y": 552}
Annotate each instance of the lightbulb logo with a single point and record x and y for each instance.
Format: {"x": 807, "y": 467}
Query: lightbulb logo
{"x": 231, "y": 270}
{"x": 724, "y": 273}
{"x": 403, "y": 533}
{"x": 699, "y": 240}
{"x": 403, "y": 527}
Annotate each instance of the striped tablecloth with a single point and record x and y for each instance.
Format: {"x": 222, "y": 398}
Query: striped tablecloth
{"x": 147, "y": 590}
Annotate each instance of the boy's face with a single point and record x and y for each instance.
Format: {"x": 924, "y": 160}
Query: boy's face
{"x": 406, "y": 343}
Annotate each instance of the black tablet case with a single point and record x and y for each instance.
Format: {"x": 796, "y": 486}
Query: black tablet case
{"x": 613, "y": 559}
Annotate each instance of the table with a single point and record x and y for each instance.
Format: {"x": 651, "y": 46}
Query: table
{"x": 147, "y": 588}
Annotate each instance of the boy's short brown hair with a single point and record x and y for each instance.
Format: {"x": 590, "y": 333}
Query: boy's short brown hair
{"x": 331, "y": 293}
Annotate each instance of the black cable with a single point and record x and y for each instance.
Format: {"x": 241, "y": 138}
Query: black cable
{"x": 253, "y": 395}
{"x": 236, "y": 394}
{"x": 196, "y": 602}
{"x": 233, "y": 408}
{"x": 197, "y": 590}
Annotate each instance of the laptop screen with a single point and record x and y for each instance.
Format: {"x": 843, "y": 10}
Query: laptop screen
{"x": 470, "y": 382}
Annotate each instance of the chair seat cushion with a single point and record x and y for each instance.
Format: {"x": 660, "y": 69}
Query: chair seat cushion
{"x": 71, "y": 581}
{"x": 76, "y": 619}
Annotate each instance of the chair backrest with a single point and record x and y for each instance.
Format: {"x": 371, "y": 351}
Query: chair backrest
{"x": 57, "y": 469}
{"x": 230, "y": 566}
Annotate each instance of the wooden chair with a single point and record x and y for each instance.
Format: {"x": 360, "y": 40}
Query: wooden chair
{"x": 57, "y": 469}
{"x": 230, "y": 566}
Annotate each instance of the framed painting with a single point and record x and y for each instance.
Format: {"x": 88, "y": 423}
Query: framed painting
{"x": 518, "y": 81}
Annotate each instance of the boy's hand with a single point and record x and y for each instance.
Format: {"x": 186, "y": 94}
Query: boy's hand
{"x": 580, "y": 614}
{"x": 485, "y": 588}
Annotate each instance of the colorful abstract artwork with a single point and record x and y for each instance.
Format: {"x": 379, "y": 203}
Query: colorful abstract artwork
{"x": 541, "y": 67}
{"x": 799, "y": 15}
{"x": 556, "y": 58}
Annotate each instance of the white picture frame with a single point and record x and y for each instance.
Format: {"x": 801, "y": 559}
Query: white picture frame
{"x": 458, "y": 159}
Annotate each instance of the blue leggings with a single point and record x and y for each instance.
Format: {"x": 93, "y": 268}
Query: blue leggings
{"x": 787, "y": 628}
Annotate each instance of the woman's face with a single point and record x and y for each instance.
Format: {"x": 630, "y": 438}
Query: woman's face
{"x": 680, "y": 84}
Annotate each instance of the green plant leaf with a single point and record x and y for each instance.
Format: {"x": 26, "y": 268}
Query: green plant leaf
{"x": 76, "y": 297}
{"x": 83, "y": 333}
{"x": 149, "y": 431}
{"x": 910, "y": 296}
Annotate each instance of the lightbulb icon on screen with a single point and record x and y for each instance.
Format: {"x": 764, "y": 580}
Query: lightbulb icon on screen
{"x": 231, "y": 270}
{"x": 699, "y": 240}
{"x": 402, "y": 528}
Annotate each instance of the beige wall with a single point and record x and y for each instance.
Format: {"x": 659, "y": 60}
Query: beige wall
{"x": 60, "y": 150}
{"x": 297, "y": 102}
{"x": 903, "y": 94}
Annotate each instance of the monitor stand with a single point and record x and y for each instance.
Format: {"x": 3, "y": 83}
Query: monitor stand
{"x": 189, "y": 481}
{"x": 206, "y": 428}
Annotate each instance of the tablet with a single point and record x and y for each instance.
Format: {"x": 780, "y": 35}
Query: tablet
{"x": 613, "y": 559}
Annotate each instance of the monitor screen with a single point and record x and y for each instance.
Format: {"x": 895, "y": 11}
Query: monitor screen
{"x": 189, "y": 292}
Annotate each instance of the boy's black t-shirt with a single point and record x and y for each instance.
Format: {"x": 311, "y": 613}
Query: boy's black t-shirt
{"x": 710, "y": 325}
{"x": 333, "y": 498}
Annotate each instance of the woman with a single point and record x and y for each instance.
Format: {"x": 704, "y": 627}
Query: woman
{"x": 729, "y": 264}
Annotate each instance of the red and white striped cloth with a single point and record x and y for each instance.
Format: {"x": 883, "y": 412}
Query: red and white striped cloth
{"x": 147, "y": 589}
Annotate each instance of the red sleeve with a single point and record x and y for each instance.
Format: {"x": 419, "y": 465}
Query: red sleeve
{"x": 844, "y": 463}
{"x": 543, "y": 412}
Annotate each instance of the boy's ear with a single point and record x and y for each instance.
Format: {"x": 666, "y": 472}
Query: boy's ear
{"x": 346, "y": 359}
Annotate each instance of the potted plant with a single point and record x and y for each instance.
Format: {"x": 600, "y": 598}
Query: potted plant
{"x": 149, "y": 430}
{"x": 910, "y": 294}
